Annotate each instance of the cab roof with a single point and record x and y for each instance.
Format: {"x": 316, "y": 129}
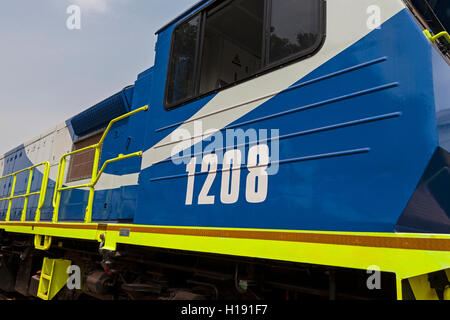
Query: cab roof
{"x": 184, "y": 14}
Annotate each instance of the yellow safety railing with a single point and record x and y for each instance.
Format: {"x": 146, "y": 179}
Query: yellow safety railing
{"x": 437, "y": 36}
{"x": 28, "y": 194}
{"x": 95, "y": 172}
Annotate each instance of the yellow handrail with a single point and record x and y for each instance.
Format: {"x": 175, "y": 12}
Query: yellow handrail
{"x": 95, "y": 172}
{"x": 28, "y": 194}
{"x": 120, "y": 157}
{"x": 437, "y": 36}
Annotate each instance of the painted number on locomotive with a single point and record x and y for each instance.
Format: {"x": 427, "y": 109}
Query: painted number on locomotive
{"x": 256, "y": 182}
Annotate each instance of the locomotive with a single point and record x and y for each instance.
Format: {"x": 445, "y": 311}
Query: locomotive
{"x": 276, "y": 149}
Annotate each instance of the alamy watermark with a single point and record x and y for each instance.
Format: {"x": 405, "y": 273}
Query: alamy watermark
{"x": 374, "y": 280}
{"x": 74, "y": 279}
{"x": 73, "y": 21}
{"x": 187, "y": 144}
{"x": 374, "y": 17}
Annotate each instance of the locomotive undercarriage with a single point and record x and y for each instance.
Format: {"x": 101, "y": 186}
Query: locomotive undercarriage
{"x": 143, "y": 273}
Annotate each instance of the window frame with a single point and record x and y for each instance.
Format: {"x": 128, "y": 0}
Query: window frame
{"x": 217, "y": 5}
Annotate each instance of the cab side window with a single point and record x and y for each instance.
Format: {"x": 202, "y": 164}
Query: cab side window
{"x": 231, "y": 41}
{"x": 181, "y": 80}
{"x": 294, "y": 28}
{"x": 232, "y": 45}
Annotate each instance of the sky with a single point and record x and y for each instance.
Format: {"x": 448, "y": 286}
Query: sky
{"x": 48, "y": 73}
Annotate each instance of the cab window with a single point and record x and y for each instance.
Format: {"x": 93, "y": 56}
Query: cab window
{"x": 181, "y": 81}
{"x": 232, "y": 41}
{"x": 294, "y": 28}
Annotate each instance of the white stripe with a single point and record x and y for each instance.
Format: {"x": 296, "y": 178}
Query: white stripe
{"x": 109, "y": 181}
{"x": 62, "y": 143}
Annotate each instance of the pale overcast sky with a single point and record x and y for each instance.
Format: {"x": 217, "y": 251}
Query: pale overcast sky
{"x": 49, "y": 73}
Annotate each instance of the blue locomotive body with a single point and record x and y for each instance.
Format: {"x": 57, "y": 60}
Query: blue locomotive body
{"x": 351, "y": 135}
{"x": 355, "y": 136}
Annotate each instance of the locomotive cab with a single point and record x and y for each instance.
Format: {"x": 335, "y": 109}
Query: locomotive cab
{"x": 279, "y": 149}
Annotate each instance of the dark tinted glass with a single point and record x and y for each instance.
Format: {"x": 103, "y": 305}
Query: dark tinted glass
{"x": 239, "y": 39}
{"x": 232, "y": 44}
{"x": 181, "y": 80}
{"x": 294, "y": 28}
{"x": 441, "y": 9}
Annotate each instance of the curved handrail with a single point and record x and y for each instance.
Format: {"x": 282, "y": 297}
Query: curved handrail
{"x": 95, "y": 172}
{"x": 437, "y": 36}
{"x": 28, "y": 194}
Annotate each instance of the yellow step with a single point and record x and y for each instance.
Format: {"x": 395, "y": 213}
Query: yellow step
{"x": 42, "y": 296}
{"x": 53, "y": 277}
{"x": 46, "y": 276}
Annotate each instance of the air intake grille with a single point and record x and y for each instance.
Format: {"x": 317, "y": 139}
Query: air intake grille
{"x": 101, "y": 114}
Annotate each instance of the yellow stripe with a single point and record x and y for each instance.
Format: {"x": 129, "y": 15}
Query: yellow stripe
{"x": 420, "y": 286}
{"x": 382, "y": 240}
{"x": 392, "y": 252}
